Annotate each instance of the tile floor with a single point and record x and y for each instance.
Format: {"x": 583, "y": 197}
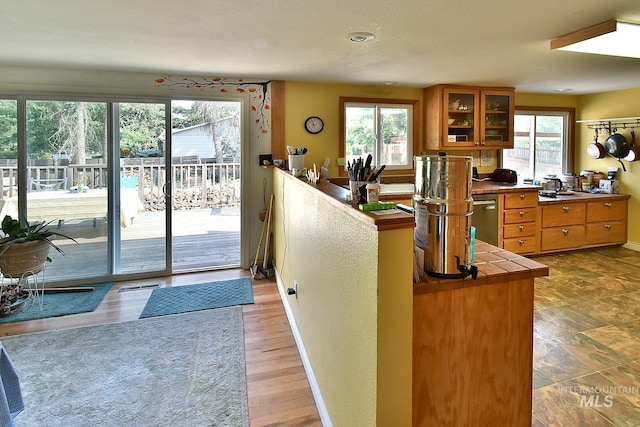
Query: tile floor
{"x": 586, "y": 363}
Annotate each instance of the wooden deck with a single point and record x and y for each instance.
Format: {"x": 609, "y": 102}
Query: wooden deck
{"x": 203, "y": 239}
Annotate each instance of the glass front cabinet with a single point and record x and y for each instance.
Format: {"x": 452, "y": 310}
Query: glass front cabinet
{"x": 461, "y": 117}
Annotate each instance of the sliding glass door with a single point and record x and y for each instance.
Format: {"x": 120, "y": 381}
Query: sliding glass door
{"x": 96, "y": 171}
{"x": 205, "y": 164}
{"x": 138, "y": 200}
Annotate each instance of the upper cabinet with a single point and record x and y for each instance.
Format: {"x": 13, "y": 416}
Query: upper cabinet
{"x": 468, "y": 117}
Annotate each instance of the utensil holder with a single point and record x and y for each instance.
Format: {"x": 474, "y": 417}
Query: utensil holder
{"x": 356, "y": 193}
{"x": 296, "y": 161}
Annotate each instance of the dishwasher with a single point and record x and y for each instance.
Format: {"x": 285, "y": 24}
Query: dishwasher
{"x": 485, "y": 217}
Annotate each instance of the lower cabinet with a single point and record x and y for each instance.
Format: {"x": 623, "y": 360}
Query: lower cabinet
{"x": 519, "y": 225}
{"x": 562, "y": 226}
{"x": 606, "y": 222}
{"x": 576, "y": 225}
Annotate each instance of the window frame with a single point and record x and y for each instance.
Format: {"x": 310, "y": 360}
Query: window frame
{"x": 413, "y": 132}
{"x": 569, "y": 150}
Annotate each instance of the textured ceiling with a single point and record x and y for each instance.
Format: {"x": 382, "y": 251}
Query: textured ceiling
{"x": 417, "y": 43}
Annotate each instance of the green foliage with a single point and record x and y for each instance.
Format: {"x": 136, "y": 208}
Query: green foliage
{"x": 70, "y": 126}
{"x": 15, "y": 232}
{"x": 8, "y": 128}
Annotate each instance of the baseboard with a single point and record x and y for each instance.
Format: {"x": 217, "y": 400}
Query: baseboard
{"x": 632, "y": 245}
{"x": 315, "y": 388}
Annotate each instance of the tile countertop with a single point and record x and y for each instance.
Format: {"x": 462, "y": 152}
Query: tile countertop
{"x": 495, "y": 265}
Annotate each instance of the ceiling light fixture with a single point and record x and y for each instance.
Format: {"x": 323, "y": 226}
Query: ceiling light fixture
{"x": 360, "y": 37}
{"x": 613, "y": 38}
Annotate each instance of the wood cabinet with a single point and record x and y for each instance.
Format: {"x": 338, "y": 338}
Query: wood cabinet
{"x": 473, "y": 344}
{"x": 468, "y": 117}
{"x": 583, "y": 224}
{"x": 519, "y": 222}
{"x": 562, "y": 226}
{"x": 606, "y": 222}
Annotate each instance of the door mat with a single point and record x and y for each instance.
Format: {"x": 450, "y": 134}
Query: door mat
{"x": 204, "y": 296}
{"x": 60, "y": 304}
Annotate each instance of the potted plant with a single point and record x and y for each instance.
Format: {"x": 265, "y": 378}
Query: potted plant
{"x": 24, "y": 249}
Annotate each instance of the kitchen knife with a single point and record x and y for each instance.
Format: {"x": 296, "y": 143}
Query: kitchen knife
{"x": 377, "y": 174}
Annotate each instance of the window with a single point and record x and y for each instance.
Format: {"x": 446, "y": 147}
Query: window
{"x": 380, "y": 127}
{"x": 543, "y": 143}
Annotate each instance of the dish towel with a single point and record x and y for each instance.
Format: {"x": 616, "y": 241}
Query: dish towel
{"x": 11, "y": 403}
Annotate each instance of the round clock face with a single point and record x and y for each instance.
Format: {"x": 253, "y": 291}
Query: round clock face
{"x": 314, "y": 124}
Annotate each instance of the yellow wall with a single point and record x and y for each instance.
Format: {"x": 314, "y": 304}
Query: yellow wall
{"x": 613, "y": 105}
{"x": 316, "y": 99}
{"x": 354, "y": 303}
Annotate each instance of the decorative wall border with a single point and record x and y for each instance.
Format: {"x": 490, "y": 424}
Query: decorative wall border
{"x": 259, "y": 94}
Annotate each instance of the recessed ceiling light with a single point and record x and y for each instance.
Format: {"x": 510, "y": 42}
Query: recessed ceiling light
{"x": 360, "y": 37}
{"x": 390, "y": 83}
{"x": 563, "y": 90}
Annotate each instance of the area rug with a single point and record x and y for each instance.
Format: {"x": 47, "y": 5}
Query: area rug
{"x": 181, "y": 370}
{"x": 204, "y": 296}
{"x": 61, "y": 304}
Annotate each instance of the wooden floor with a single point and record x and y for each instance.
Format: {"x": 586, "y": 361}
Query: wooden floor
{"x": 278, "y": 390}
{"x": 587, "y": 334}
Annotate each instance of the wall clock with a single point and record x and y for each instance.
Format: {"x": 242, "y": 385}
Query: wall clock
{"x": 314, "y": 124}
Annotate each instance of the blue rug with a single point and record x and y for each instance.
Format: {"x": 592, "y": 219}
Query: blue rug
{"x": 61, "y": 304}
{"x": 204, "y": 296}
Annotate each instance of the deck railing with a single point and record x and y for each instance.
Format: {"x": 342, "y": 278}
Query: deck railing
{"x": 194, "y": 185}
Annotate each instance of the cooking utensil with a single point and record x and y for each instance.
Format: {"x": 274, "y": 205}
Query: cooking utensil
{"x": 377, "y": 174}
{"x": 551, "y": 183}
{"x": 618, "y": 147}
{"x": 634, "y": 150}
{"x": 595, "y": 149}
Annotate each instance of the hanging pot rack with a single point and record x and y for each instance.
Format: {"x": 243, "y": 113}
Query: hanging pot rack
{"x": 612, "y": 125}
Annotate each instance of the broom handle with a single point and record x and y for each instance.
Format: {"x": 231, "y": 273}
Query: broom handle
{"x": 265, "y": 261}
{"x": 264, "y": 228}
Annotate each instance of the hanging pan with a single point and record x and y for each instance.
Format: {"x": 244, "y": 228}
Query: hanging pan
{"x": 595, "y": 149}
{"x": 618, "y": 147}
{"x": 634, "y": 150}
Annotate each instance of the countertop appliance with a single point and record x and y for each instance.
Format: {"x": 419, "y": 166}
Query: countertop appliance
{"x": 443, "y": 209}
{"x": 485, "y": 217}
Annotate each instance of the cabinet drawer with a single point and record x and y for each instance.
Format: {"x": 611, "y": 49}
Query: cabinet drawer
{"x": 571, "y": 236}
{"x": 613, "y": 210}
{"x": 519, "y": 230}
{"x": 522, "y": 245}
{"x": 515, "y": 216}
{"x": 525, "y": 199}
{"x": 564, "y": 214}
{"x": 606, "y": 232}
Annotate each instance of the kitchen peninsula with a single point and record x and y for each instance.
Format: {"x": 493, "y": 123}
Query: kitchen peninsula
{"x": 380, "y": 350}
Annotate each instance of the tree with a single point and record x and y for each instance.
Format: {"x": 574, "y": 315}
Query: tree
{"x": 213, "y": 113}
{"x": 8, "y": 129}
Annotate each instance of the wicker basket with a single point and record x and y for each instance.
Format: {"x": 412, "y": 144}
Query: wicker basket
{"x": 24, "y": 259}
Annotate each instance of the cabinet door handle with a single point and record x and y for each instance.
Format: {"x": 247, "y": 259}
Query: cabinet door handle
{"x": 521, "y": 228}
{"x": 608, "y": 204}
{"x": 565, "y": 231}
{"x": 476, "y": 143}
{"x": 607, "y": 226}
{"x": 521, "y": 242}
{"x": 522, "y": 213}
{"x": 566, "y": 208}
{"x": 522, "y": 196}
